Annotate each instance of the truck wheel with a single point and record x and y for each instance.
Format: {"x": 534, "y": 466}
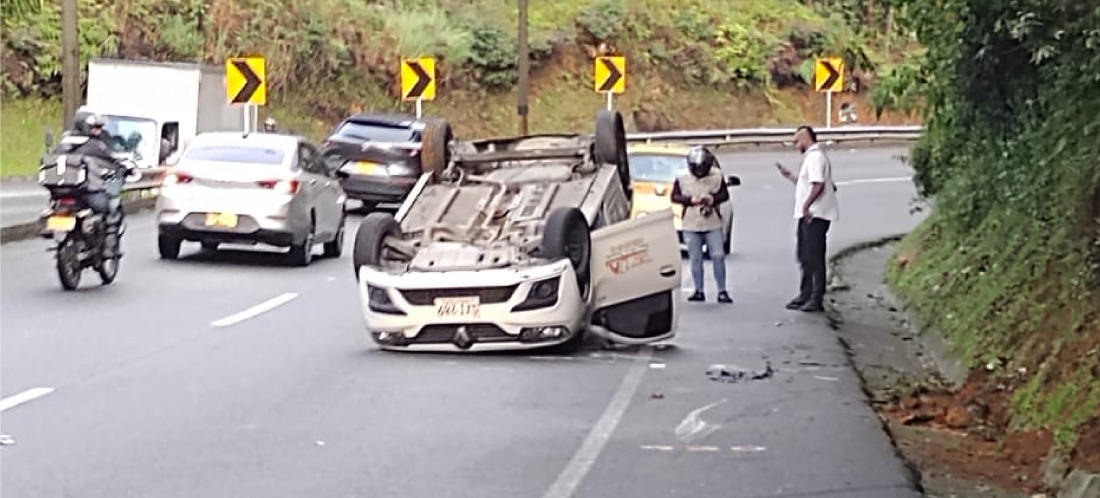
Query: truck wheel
{"x": 567, "y": 236}
{"x": 611, "y": 144}
{"x": 435, "y": 151}
{"x": 370, "y": 238}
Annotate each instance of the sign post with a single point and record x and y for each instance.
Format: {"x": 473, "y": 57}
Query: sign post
{"x": 829, "y": 78}
{"x": 610, "y": 77}
{"x": 246, "y": 85}
{"x": 418, "y": 81}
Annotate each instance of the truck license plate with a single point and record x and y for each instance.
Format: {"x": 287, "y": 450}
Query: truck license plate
{"x": 458, "y": 307}
{"x": 366, "y": 167}
{"x": 61, "y": 223}
{"x": 226, "y": 220}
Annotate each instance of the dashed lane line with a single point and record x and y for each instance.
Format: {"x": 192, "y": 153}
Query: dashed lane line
{"x": 255, "y": 311}
{"x": 24, "y": 397}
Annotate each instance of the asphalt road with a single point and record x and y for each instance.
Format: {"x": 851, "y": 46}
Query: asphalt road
{"x": 133, "y": 390}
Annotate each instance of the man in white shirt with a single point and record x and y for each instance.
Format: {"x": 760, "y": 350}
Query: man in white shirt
{"x": 815, "y": 209}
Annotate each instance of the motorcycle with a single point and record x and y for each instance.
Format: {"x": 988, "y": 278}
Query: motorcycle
{"x": 81, "y": 232}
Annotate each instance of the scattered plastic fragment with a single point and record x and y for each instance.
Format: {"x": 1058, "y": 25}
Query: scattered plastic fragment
{"x": 728, "y": 374}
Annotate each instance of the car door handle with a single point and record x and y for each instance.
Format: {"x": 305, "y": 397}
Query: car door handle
{"x": 668, "y": 271}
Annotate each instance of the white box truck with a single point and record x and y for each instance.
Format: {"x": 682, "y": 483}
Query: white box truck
{"x": 155, "y": 108}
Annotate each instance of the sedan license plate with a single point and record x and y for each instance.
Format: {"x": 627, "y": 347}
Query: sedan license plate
{"x": 61, "y": 223}
{"x": 225, "y": 220}
{"x": 365, "y": 168}
{"x": 458, "y": 307}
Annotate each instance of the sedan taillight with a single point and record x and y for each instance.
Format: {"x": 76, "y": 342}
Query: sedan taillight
{"x": 177, "y": 178}
{"x": 281, "y": 186}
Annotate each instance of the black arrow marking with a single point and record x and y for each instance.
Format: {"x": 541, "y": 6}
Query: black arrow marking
{"x": 833, "y": 76}
{"x": 612, "y": 78}
{"x": 252, "y": 82}
{"x": 422, "y": 81}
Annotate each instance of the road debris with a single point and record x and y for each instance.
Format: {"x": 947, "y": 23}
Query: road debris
{"x": 730, "y": 374}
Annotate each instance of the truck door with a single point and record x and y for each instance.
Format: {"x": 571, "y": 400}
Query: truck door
{"x": 636, "y": 273}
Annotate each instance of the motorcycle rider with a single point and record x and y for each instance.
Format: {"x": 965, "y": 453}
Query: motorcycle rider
{"x": 108, "y": 201}
{"x": 269, "y": 125}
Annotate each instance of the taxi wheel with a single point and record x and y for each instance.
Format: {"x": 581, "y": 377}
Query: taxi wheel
{"x": 567, "y": 236}
{"x": 611, "y": 144}
{"x": 369, "y": 246}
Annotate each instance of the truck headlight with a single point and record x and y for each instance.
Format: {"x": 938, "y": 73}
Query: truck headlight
{"x": 378, "y": 301}
{"x": 543, "y": 294}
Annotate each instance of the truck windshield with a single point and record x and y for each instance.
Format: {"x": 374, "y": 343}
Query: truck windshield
{"x": 656, "y": 167}
{"x": 357, "y": 131}
{"x": 130, "y": 134}
{"x": 235, "y": 154}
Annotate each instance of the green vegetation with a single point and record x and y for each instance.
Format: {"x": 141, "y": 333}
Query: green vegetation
{"x": 700, "y": 63}
{"x": 1009, "y": 263}
{"x": 22, "y": 140}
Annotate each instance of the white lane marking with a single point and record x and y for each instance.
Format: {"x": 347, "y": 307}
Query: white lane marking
{"x": 656, "y": 447}
{"x": 23, "y": 397}
{"x": 746, "y": 449}
{"x": 255, "y": 310}
{"x": 876, "y": 180}
{"x": 703, "y": 448}
{"x": 597, "y": 438}
{"x": 694, "y": 427}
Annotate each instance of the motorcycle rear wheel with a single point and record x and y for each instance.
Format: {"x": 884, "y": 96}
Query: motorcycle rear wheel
{"x": 69, "y": 269}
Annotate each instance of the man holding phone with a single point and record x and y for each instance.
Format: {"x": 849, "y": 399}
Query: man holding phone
{"x": 815, "y": 210}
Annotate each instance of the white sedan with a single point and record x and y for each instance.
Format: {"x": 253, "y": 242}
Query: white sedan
{"x": 253, "y": 188}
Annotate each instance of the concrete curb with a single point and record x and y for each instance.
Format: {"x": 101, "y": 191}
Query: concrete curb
{"x": 29, "y": 230}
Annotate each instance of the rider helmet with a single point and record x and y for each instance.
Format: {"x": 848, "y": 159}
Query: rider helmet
{"x": 700, "y": 161}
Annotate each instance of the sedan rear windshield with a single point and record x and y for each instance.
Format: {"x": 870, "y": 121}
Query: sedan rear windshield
{"x": 352, "y": 130}
{"x": 236, "y": 154}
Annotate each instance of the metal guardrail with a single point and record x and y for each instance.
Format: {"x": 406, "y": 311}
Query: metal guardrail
{"x": 779, "y": 135}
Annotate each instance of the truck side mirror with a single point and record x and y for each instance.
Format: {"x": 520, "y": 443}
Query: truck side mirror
{"x": 49, "y": 138}
{"x": 733, "y": 180}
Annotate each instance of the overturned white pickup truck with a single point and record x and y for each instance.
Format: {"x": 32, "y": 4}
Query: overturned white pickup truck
{"x": 520, "y": 243}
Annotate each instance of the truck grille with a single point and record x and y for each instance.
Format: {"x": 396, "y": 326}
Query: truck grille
{"x": 479, "y": 332}
{"x": 488, "y": 295}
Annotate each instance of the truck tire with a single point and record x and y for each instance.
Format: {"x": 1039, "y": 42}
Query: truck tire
{"x": 435, "y": 151}
{"x": 611, "y": 144}
{"x": 567, "y": 236}
{"x": 369, "y": 239}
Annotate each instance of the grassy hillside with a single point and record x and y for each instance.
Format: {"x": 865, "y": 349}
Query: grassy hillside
{"x": 1008, "y": 265}
{"x": 691, "y": 64}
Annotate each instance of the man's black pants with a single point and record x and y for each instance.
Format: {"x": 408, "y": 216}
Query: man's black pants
{"x": 811, "y": 259}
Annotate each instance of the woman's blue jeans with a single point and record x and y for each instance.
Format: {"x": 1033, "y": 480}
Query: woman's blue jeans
{"x": 714, "y": 242}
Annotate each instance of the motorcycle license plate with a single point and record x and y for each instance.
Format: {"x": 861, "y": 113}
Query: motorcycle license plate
{"x": 60, "y": 223}
{"x": 224, "y": 220}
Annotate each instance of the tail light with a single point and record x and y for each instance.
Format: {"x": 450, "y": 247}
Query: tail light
{"x": 177, "y": 178}
{"x": 66, "y": 201}
{"x": 281, "y": 186}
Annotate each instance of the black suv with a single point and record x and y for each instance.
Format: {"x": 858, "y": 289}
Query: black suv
{"x": 379, "y": 157}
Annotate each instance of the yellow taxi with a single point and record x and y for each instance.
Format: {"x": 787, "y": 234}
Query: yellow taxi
{"x": 653, "y": 169}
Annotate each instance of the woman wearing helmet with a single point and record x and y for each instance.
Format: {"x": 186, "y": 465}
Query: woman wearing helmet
{"x": 700, "y": 191}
